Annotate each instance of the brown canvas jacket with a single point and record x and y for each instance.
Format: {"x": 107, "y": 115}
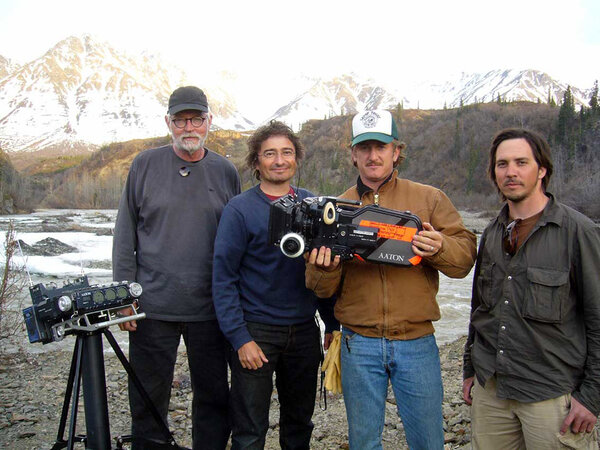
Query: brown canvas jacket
{"x": 381, "y": 300}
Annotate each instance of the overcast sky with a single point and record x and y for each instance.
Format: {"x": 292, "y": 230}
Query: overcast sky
{"x": 265, "y": 41}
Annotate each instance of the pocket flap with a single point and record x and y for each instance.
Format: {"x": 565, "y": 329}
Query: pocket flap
{"x": 547, "y": 277}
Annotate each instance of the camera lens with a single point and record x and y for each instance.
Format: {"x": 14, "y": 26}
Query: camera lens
{"x": 292, "y": 245}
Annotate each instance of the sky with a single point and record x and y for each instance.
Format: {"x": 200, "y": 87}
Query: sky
{"x": 267, "y": 43}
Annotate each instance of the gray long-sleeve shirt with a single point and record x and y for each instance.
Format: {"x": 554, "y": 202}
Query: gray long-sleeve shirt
{"x": 165, "y": 230}
{"x": 535, "y": 316}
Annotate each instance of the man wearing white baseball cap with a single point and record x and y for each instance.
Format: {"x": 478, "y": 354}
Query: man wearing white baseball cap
{"x": 387, "y": 311}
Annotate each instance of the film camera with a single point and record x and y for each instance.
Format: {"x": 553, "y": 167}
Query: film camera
{"x": 88, "y": 312}
{"x": 78, "y": 306}
{"x": 369, "y": 233}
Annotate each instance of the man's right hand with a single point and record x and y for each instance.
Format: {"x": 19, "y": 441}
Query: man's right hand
{"x": 127, "y": 326}
{"x": 467, "y": 386}
{"x": 321, "y": 258}
{"x": 251, "y": 356}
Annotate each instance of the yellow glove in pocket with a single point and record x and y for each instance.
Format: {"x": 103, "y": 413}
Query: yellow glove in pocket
{"x": 332, "y": 365}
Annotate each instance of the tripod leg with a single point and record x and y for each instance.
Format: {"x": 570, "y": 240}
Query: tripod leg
{"x": 75, "y": 403}
{"x": 138, "y": 384}
{"x": 94, "y": 394}
{"x": 73, "y": 372}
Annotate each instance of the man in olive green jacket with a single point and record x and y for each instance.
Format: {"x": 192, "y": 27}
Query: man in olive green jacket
{"x": 532, "y": 358}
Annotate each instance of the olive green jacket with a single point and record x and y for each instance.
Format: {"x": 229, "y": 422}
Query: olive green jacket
{"x": 535, "y": 316}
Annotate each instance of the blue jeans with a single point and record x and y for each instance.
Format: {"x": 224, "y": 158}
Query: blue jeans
{"x": 294, "y": 353}
{"x": 413, "y": 368}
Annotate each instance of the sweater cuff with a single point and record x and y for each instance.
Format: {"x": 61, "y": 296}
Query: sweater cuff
{"x": 239, "y": 338}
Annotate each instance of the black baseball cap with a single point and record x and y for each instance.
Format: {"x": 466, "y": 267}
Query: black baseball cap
{"x": 187, "y": 97}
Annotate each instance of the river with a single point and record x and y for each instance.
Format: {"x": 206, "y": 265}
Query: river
{"x": 89, "y": 232}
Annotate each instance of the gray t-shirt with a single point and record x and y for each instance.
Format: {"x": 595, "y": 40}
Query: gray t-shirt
{"x": 165, "y": 230}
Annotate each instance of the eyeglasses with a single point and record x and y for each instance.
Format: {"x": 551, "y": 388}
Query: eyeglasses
{"x": 288, "y": 153}
{"x": 197, "y": 121}
{"x": 511, "y": 238}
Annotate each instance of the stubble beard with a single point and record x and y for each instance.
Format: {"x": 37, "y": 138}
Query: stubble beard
{"x": 516, "y": 198}
{"x": 520, "y": 196}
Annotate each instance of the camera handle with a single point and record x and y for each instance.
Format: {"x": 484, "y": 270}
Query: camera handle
{"x": 87, "y": 364}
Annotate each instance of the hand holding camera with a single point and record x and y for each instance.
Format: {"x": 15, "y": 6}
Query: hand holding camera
{"x": 370, "y": 233}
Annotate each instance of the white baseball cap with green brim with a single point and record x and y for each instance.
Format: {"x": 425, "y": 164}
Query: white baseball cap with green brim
{"x": 376, "y": 125}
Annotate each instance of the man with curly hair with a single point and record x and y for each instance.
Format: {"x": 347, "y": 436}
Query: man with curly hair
{"x": 262, "y": 304}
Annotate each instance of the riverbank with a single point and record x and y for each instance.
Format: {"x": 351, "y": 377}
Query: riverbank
{"x": 32, "y": 389}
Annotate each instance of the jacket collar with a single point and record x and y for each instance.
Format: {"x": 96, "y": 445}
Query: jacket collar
{"x": 552, "y": 213}
{"x": 363, "y": 188}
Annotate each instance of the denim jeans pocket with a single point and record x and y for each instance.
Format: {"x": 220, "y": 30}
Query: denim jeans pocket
{"x": 348, "y": 336}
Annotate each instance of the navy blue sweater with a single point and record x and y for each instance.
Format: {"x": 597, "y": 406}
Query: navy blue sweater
{"x": 252, "y": 280}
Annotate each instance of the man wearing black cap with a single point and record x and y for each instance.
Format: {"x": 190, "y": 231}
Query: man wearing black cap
{"x": 387, "y": 311}
{"x": 163, "y": 239}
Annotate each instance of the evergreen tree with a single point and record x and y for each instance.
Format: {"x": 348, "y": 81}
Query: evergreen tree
{"x": 551, "y": 100}
{"x": 566, "y": 117}
{"x": 399, "y": 114}
{"x": 594, "y": 106}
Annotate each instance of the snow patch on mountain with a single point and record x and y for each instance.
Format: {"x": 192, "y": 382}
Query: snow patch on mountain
{"x": 83, "y": 90}
{"x": 83, "y": 93}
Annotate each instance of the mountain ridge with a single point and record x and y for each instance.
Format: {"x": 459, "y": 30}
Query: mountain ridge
{"x": 83, "y": 93}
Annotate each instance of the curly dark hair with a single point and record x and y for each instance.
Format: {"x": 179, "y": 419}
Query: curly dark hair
{"x": 273, "y": 128}
{"x": 539, "y": 147}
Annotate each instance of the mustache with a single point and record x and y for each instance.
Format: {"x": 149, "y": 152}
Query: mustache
{"x": 511, "y": 181}
{"x": 190, "y": 134}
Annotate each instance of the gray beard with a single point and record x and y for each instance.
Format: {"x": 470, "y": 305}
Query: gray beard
{"x": 189, "y": 147}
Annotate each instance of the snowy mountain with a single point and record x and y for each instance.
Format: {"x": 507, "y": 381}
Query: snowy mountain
{"x": 84, "y": 92}
{"x": 348, "y": 94}
{"x": 341, "y": 95}
{"x": 510, "y": 85}
{"x": 6, "y": 67}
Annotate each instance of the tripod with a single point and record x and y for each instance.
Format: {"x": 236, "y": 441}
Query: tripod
{"x": 87, "y": 364}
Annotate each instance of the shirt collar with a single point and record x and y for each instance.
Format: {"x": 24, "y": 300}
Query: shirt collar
{"x": 552, "y": 213}
{"x": 363, "y": 188}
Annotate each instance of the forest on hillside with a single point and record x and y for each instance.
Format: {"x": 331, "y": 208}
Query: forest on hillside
{"x": 449, "y": 149}
{"x": 445, "y": 148}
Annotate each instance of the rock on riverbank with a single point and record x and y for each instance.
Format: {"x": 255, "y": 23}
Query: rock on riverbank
{"x": 32, "y": 389}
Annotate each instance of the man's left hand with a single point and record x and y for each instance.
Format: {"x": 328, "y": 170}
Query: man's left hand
{"x": 427, "y": 242}
{"x": 580, "y": 419}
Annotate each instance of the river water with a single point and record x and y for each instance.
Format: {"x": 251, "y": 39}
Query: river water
{"x": 89, "y": 231}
